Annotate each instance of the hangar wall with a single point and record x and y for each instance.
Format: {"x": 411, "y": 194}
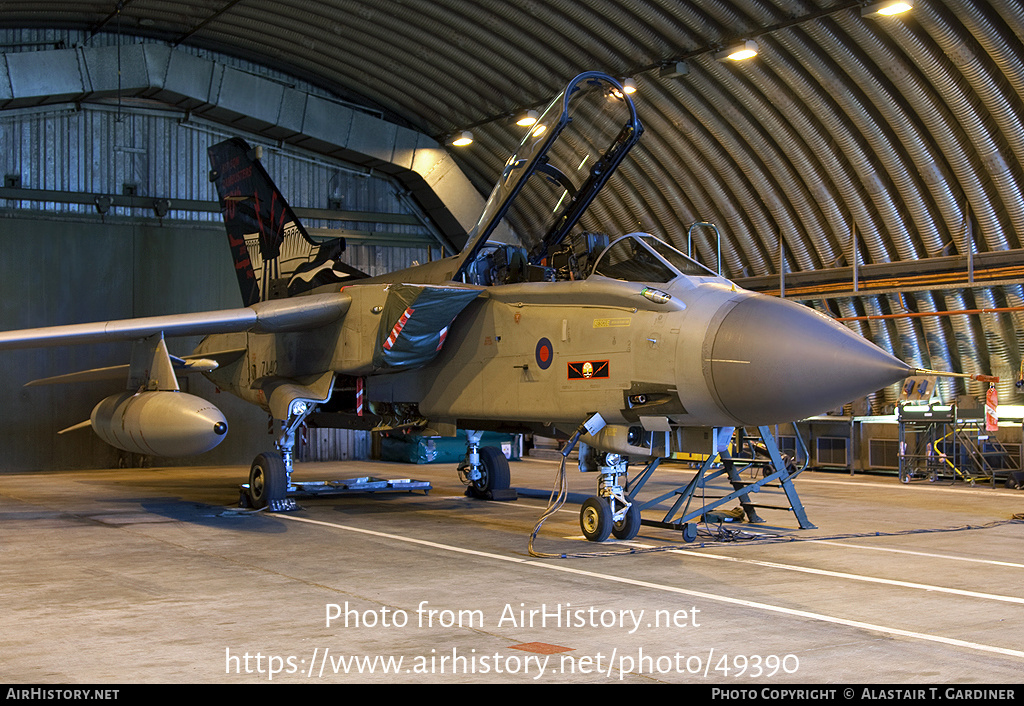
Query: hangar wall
{"x": 64, "y": 262}
{"x": 55, "y": 272}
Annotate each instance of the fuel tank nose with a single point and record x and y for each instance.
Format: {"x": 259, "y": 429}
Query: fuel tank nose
{"x": 159, "y": 423}
{"x": 771, "y": 360}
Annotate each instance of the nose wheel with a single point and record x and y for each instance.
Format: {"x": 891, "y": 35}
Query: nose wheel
{"x": 629, "y": 525}
{"x": 596, "y": 519}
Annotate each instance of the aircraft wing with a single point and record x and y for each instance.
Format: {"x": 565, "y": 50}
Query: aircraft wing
{"x": 275, "y": 316}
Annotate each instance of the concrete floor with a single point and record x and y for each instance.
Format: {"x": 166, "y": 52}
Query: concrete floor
{"x": 146, "y": 576}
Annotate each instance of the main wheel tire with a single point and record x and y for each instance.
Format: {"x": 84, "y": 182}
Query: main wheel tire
{"x": 494, "y": 472}
{"x": 630, "y": 525}
{"x": 268, "y": 480}
{"x": 595, "y": 519}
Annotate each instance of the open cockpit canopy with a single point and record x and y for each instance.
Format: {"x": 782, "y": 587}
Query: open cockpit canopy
{"x": 559, "y": 168}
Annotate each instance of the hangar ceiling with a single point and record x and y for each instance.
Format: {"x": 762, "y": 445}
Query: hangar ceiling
{"x": 876, "y": 159}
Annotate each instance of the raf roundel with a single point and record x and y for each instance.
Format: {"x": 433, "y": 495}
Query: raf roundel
{"x": 545, "y": 353}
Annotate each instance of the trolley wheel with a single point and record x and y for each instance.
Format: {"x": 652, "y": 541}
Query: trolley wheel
{"x": 689, "y": 532}
{"x": 630, "y": 525}
{"x": 268, "y": 480}
{"x": 595, "y": 519}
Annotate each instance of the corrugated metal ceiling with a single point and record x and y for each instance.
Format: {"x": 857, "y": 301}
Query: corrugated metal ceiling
{"x": 905, "y": 131}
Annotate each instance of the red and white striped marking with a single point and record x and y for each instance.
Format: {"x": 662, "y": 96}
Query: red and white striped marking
{"x": 402, "y": 321}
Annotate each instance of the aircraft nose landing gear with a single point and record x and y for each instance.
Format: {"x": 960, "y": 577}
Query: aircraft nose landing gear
{"x": 610, "y": 511}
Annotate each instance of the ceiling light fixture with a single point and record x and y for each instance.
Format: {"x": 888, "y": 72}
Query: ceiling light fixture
{"x": 528, "y": 118}
{"x": 738, "y": 52}
{"x": 628, "y": 87}
{"x": 677, "y": 69}
{"x": 887, "y": 9}
{"x": 461, "y": 139}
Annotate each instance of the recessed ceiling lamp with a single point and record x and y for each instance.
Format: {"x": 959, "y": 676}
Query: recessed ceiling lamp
{"x": 887, "y": 9}
{"x": 738, "y": 52}
{"x": 528, "y": 118}
{"x": 461, "y": 139}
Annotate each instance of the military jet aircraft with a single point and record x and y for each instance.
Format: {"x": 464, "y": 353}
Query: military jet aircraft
{"x": 535, "y": 327}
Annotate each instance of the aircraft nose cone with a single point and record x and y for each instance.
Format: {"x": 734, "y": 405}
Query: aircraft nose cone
{"x": 772, "y": 360}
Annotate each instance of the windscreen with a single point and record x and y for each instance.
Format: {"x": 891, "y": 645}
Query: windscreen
{"x": 627, "y": 259}
{"x": 643, "y": 258}
{"x": 683, "y": 263}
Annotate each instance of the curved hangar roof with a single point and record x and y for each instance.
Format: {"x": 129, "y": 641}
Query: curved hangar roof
{"x": 901, "y": 134}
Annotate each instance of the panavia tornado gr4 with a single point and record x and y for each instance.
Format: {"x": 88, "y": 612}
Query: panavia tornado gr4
{"x": 537, "y": 327}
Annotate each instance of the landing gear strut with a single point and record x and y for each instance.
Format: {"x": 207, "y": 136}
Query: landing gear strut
{"x": 270, "y": 476}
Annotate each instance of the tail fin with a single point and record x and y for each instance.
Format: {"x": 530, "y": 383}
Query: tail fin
{"x": 274, "y": 255}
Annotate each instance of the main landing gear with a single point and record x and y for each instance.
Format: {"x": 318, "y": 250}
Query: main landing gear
{"x": 485, "y": 471}
{"x": 268, "y": 481}
{"x": 270, "y": 476}
{"x": 271, "y": 486}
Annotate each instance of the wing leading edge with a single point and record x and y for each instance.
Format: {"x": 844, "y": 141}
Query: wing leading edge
{"x": 277, "y": 316}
